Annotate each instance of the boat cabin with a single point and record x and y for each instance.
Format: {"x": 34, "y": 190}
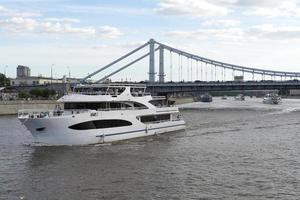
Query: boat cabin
{"x": 110, "y": 89}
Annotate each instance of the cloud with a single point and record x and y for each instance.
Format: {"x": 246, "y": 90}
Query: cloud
{"x": 265, "y": 32}
{"x": 100, "y": 46}
{"x": 105, "y": 9}
{"x": 16, "y": 13}
{"x": 271, "y": 8}
{"x": 18, "y": 24}
{"x": 33, "y": 26}
{"x": 63, "y": 20}
{"x": 201, "y": 34}
{"x": 196, "y": 8}
{"x": 221, "y": 22}
{"x": 127, "y": 45}
{"x": 271, "y": 32}
{"x": 209, "y": 8}
{"x": 25, "y": 23}
{"x": 62, "y": 28}
{"x": 109, "y": 32}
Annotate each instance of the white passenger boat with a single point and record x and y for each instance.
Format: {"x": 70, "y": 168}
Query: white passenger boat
{"x": 102, "y": 113}
{"x": 272, "y": 99}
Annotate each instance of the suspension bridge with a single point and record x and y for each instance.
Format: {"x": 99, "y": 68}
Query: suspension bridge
{"x": 194, "y": 73}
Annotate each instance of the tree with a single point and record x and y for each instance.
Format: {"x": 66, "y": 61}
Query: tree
{"x": 4, "y": 81}
{"x": 23, "y": 95}
{"x": 45, "y": 93}
{"x": 52, "y": 93}
{"x": 36, "y": 92}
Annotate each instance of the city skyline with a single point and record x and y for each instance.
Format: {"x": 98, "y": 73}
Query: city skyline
{"x": 84, "y": 35}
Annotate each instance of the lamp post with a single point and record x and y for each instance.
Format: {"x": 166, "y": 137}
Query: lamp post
{"x": 5, "y": 70}
{"x": 69, "y": 72}
{"x": 51, "y": 73}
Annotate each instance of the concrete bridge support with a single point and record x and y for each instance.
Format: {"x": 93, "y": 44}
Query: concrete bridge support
{"x": 161, "y": 74}
{"x": 151, "y": 61}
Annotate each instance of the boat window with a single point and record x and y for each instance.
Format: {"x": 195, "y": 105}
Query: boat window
{"x": 100, "y": 90}
{"x": 99, "y": 124}
{"x": 137, "y": 92}
{"x": 157, "y": 103}
{"x": 102, "y": 105}
{"x": 155, "y": 118}
{"x": 139, "y": 105}
{"x": 115, "y": 105}
{"x": 84, "y": 105}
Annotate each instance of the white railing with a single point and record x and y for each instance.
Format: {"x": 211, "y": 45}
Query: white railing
{"x": 35, "y": 113}
{"x": 39, "y": 113}
{"x": 107, "y": 93}
{"x": 123, "y": 108}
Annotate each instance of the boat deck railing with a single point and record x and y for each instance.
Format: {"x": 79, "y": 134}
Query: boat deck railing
{"x": 39, "y": 113}
{"x": 112, "y": 94}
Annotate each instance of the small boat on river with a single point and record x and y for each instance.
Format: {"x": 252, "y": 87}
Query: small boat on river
{"x": 240, "y": 97}
{"x": 272, "y": 98}
{"x": 204, "y": 98}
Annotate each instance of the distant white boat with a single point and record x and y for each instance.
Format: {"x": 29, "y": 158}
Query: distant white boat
{"x": 224, "y": 97}
{"x": 240, "y": 97}
{"x": 96, "y": 114}
{"x": 272, "y": 99}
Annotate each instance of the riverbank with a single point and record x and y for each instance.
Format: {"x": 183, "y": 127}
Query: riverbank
{"x": 182, "y": 100}
{"x": 12, "y": 107}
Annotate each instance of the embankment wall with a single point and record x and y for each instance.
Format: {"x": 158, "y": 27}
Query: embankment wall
{"x": 12, "y": 107}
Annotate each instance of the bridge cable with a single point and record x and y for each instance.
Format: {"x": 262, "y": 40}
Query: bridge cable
{"x": 206, "y": 71}
{"x": 215, "y": 73}
{"x": 211, "y": 73}
{"x": 222, "y": 74}
{"x": 178, "y": 67}
{"x": 201, "y": 71}
{"x": 197, "y": 70}
{"x": 124, "y": 67}
{"x": 191, "y": 69}
{"x": 181, "y": 68}
{"x": 171, "y": 66}
{"x": 188, "y": 68}
{"x": 227, "y": 65}
{"x": 114, "y": 62}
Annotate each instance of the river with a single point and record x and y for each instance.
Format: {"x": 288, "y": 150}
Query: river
{"x": 230, "y": 150}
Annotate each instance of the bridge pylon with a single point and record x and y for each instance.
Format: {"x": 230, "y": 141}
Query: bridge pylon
{"x": 151, "y": 61}
{"x": 161, "y": 74}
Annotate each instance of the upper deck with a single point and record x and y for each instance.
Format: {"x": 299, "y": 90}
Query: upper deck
{"x": 100, "y": 97}
{"x": 107, "y": 93}
{"x": 112, "y": 89}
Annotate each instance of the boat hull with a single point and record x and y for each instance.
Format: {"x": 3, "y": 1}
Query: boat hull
{"x": 56, "y": 131}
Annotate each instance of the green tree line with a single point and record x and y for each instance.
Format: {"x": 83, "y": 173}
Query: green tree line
{"x": 4, "y": 81}
{"x": 37, "y": 93}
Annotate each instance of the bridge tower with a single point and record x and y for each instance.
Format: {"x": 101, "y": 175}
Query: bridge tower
{"x": 161, "y": 74}
{"x": 151, "y": 61}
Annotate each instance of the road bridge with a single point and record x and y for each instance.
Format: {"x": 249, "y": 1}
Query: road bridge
{"x": 184, "y": 66}
{"x": 189, "y": 73}
{"x": 168, "y": 89}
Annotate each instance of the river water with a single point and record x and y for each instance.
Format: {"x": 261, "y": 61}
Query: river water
{"x": 230, "y": 150}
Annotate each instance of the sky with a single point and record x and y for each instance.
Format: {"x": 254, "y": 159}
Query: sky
{"x": 81, "y": 36}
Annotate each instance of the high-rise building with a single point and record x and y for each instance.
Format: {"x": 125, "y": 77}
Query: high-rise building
{"x": 23, "y": 71}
